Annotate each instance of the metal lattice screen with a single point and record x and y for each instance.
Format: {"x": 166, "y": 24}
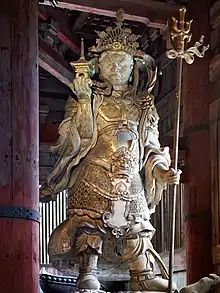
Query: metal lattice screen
{"x": 52, "y": 214}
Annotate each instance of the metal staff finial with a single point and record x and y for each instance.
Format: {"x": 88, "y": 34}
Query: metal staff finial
{"x": 179, "y": 34}
{"x": 181, "y": 30}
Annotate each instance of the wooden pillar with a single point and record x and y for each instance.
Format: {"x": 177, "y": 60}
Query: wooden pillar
{"x": 196, "y": 99}
{"x": 215, "y": 134}
{"x": 19, "y": 205}
{"x": 215, "y": 181}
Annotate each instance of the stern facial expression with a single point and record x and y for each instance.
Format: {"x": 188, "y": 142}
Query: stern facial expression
{"x": 116, "y": 67}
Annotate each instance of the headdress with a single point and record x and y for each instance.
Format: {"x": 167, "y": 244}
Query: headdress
{"x": 118, "y": 38}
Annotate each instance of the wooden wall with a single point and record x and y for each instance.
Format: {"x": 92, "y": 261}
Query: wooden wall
{"x": 165, "y": 103}
{"x": 161, "y": 221}
{"x": 165, "y": 94}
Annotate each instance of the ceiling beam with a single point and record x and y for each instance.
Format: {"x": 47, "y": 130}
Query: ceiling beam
{"x": 62, "y": 32}
{"x": 54, "y": 63}
{"x": 152, "y": 13}
{"x": 50, "y": 87}
{"x": 80, "y": 21}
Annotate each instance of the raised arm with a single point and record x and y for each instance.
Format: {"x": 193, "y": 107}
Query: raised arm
{"x": 85, "y": 114}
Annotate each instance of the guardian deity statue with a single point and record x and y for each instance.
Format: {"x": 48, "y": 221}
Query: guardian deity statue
{"x": 112, "y": 165}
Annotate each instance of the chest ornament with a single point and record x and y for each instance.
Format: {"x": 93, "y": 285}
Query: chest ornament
{"x": 123, "y": 162}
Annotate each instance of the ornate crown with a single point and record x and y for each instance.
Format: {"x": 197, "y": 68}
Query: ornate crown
{"x": 116, "y": 38}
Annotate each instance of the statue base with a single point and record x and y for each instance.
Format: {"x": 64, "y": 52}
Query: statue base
{"x": 142, "y": 292}
{"x": 88, "y": 291}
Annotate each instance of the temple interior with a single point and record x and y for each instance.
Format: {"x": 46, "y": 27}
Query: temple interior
{"x": 40, "y": 41}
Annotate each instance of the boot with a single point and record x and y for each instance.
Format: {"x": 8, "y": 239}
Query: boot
{"x": 143, "y": 277}
{"x": 87, "y": 277}
{"x": 147, "y": 281}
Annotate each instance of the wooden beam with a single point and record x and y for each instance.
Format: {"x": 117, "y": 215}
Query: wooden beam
{"x": 50, "y": 86}
{"x": 53, "y": 62}
{"x": 152, "y": 13}
{"x": 79, "y": 21}
{"x": 65, "y": 36}
{"x": 62, "y": 32}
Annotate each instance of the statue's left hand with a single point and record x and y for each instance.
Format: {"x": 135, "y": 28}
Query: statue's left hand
{"x": 82, "y": 88}
{"x": 171, "y": 176}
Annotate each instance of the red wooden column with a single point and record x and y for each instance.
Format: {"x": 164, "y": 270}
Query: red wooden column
{"x": 19, "y": 229}
{"x": 196, "y": 99}
{"x": 215, "y": 134}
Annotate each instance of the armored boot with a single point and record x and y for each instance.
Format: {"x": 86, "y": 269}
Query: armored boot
{"x": 143, "y": 277}
{"x": 141, "y": 267}
{"x": 87, "y": 271}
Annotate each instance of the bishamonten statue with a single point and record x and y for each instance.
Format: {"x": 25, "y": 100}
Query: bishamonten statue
{"x": 112, "y": 166}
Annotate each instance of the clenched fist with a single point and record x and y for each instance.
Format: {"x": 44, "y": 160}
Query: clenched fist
{"x": 171, "y": 176}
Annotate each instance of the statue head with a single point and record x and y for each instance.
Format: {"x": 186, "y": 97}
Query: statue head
{"x": 115, "y": 50}
{"x": 116, "y": 67}
{"x": 118, "y": 61}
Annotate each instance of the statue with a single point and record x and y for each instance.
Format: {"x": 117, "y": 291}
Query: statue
{"x": 112, "y": 165}
{"x": 204, "y": 285}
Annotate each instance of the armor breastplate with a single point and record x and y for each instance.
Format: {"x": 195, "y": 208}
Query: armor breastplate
{"x": 117, "y": 148}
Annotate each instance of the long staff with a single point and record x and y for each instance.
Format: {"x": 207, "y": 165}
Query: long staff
{"x": 179, "y": 34}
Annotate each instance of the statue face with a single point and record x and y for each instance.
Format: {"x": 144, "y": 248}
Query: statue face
{"x": 116, "y": 67}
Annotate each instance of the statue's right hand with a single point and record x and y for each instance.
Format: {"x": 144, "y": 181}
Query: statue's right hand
{"x": 82, "y": 87}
